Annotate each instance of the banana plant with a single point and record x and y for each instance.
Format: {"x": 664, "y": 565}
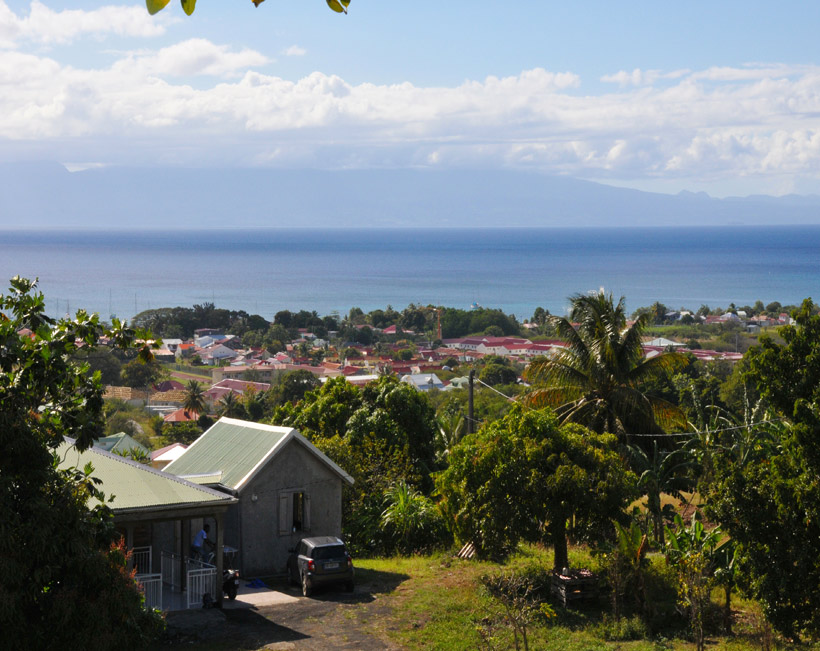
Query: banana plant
{"x": 660, "y": 472}
{"x": 692, "y": 551}
{"x": 625, "y": 561}
{"x": 683, "y": 541}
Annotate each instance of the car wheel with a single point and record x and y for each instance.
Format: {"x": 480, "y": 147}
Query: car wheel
{"x": 306, "y": 587}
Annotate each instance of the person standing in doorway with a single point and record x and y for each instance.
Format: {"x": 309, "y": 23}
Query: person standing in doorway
{"x": 200, "y": 540}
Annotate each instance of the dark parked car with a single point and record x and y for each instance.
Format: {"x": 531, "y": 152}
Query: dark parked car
{"x": 318, "y": 561}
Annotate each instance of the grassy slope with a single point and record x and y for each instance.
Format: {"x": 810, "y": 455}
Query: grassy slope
{"x": 439, "y": 606}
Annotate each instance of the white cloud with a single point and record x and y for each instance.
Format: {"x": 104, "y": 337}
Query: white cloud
{"x": 46, "y": 26}
{"x": 294, "y": 51}
{"x": 195, "y": 56}
{"x": 640, "y": 77}
{"x": 731, "y": 123}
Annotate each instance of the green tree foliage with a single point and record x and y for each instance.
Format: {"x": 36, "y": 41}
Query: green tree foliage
{"x": 139, "y": 373}
{"x": 181, "y": 322}
{"x": 789, "y": 373}
{"x": 381, "y": 434}
{"x": 597, "y": 379}
{"x": 768, "y": 498}
{"x": 295, "y": 384}
{"x": 524, "y": 477}
{"x": 61, "y": 583}
{"x": 185, "y": 433}
{"x": 102, "y": 359}
{"x": 459, "y": 323}
{"x": 495, "y": 373}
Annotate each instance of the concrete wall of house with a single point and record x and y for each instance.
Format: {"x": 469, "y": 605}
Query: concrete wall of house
{"x": 263, "y": 550}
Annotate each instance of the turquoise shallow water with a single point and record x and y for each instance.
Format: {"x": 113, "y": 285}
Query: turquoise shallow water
{"x": 512, "y": 269}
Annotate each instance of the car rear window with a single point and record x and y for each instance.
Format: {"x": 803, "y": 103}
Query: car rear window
{"x": 330, "y": 551}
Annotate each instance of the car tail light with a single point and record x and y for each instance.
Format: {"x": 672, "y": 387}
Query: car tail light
{"x": 311, "y": 565}
{"x": 349, "y": 560}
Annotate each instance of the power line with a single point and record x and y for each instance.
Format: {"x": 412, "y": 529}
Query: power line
{"x": 494, "y": 389}
{"x": 664, "y": 435}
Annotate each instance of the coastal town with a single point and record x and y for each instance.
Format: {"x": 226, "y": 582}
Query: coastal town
{"x": 226, "y": 366}
{"x": 340, "y": 326}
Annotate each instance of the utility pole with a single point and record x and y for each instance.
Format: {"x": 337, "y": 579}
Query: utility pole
{"x": 470, "y": 425}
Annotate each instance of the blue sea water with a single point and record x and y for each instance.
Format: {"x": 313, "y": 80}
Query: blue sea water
{"x": 516, "y": 270}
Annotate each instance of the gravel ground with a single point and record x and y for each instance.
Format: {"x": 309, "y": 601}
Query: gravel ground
{"x": 331, "y": 619}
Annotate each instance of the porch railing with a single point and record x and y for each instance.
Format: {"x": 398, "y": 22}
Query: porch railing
{"x": 172, "y": 570}
{"x": 193, "y": 576}
{"x": 142, "y": 559}
{"x": 151, "y": 586}
{"x": 201, "y": 580}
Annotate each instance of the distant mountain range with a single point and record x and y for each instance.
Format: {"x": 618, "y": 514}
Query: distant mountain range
{"x": 46, "y": 195}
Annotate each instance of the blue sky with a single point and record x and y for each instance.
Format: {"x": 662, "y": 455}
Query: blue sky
{"x": 722, "y": 97}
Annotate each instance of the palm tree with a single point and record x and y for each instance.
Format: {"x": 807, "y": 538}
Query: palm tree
{"x": 194, "y": 398}
{"x": 230, "y": 406}
{"x": 450, "y": 429}
{"x": 597, "y": 379}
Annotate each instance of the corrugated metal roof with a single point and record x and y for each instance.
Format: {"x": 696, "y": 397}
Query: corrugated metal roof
{"x": 234, "y": 447}
{"x": 208, "y": 478}
{"x": 135, "y": 485}
{"x": 238, "y": 449}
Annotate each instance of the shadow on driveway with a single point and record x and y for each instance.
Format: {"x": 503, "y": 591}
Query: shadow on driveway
{"x": 330, "y": 619}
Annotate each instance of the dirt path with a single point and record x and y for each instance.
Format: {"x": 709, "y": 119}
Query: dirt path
{"x": 331, "y": 619}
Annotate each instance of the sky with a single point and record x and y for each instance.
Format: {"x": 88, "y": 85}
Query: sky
{"x": 701, "y": 96}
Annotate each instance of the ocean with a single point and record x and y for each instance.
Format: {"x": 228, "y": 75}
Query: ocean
{"x": 264, "y": 271}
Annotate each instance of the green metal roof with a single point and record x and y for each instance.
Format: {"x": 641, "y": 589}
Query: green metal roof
{"x": 238, "y": 449}
{"x": 134, "y": 485}
{"x": 120, "y": 442}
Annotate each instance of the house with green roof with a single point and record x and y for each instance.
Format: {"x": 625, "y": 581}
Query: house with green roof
{"x": 286, "y": 489}
{"x": 121, "y": 443}
{"x": 158, "y": 515}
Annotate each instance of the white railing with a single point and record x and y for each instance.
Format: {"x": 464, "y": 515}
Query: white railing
{"x": 151, "y": 586}
{"x": 172, "y": 570}
{"x": 142, "y": 559}
{"x": 193, "y": 576}
{"x": 201, "y": 580}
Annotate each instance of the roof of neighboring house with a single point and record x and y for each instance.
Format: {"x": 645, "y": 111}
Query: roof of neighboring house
{"x": 181, "y": 415}
{"x": 663, "y": 342}
{"x": 124, "y": 393}
{"x": 169, "y": 385}
{"x": 120, "y": 442}
{"x": 423, "y": 381}
{"x": 169, "y": 452}
{"x": 239, "y": 449}
{"x": 174, "y": 395}
{"x": 240, "y": 386}
{"x": 136, "y": 486}
{"x": 361, "y": 380}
